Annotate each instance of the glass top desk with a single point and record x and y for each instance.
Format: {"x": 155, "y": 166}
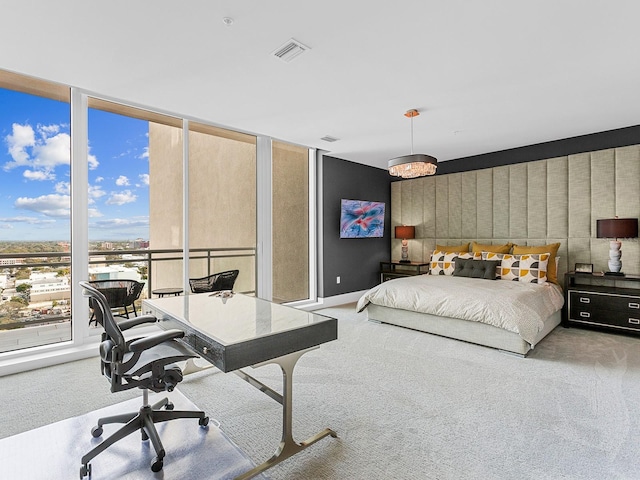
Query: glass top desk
{"x": 238, "y": 331}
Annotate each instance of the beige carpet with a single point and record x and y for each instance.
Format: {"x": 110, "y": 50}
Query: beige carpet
{"x": 411, "y": 405}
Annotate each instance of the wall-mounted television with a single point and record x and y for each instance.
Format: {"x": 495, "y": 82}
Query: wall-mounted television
{"x": 361, "y": 219}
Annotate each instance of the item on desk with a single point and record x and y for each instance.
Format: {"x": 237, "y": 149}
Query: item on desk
{"x": 223, "y": 294}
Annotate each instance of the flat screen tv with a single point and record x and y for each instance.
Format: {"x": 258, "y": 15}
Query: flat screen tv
{"x": 361, "y": 219}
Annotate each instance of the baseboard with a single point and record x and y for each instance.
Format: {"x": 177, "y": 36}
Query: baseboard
{"x": 336, "y": 300}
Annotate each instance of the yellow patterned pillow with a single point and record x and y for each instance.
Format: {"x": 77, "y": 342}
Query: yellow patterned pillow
{"x": 478, "y": 247}
{"x": 521, "y": 268}
{"x": 551, "y": 249}
{"x": 444, "y": 263}
{"x": 464, "y": 248}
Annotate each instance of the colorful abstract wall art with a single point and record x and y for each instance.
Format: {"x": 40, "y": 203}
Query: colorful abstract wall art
{"x": 361, "y": 219}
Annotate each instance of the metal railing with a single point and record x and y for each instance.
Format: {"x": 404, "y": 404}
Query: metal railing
{"x": 148, "y": 257}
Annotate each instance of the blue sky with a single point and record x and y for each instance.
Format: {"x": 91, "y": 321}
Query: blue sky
{"x": 35, "y": 172}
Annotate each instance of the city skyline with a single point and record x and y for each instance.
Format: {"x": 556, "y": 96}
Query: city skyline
{"x": 35, "y": 172}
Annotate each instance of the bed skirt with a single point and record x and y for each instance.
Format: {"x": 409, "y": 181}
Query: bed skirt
{"x": 473, "y": 332}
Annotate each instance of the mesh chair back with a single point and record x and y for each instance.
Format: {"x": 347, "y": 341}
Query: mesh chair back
{"x": 102, "y": 311}
{"x": 214, "y": 283}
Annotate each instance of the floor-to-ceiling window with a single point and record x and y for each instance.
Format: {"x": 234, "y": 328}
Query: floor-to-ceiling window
{"x": 94, "y": 188}
{"x": 34, "y": 213}
{"x": 222, "y": 204}
{"x": 290, "y": 222}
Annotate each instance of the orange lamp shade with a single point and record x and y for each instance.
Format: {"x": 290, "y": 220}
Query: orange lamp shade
{"x": 405, "y": 232}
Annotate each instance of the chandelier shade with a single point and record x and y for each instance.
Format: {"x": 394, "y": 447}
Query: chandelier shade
{"x": 415, "y": 164}
{"x": 412, "y": 166}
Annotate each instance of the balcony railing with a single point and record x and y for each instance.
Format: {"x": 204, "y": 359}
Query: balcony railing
{"x": 156, "y": 268}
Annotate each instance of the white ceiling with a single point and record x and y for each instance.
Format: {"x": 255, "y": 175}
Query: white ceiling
{"x": 486, "y": 76}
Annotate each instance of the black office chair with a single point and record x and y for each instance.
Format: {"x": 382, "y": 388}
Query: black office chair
{"x": 214, "y": 283}
{"x": 146, "y": 362}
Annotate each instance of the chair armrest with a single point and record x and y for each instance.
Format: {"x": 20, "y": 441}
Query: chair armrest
{"x": 132, "y": 322}
{"x": 146, "y": 343}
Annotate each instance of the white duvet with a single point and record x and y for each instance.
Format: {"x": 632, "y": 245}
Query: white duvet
{"x": 517, "y": 307}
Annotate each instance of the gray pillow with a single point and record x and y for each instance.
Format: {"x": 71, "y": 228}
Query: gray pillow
{"x": 468, "y": 267}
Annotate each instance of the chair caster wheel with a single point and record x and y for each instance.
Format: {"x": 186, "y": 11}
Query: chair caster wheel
{"x": 169, "y": 406}
{"x": 156, "y": 465}
{"x": 96, "y": 431}
{"x": 85, "y": 470}
{"x": 203, "y": 422}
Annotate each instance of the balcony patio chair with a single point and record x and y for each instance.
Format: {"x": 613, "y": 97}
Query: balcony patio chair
{"x": 120, "y": 294}
{"x": 214, "y": 283}
{"x": 145, "y": 362}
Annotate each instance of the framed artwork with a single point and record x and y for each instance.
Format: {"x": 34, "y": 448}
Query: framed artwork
{"x": 584, "y": 268}
{"x": 361, "y": 219}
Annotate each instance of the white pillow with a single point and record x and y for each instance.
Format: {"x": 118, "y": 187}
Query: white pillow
{"x": 444, "y": 263}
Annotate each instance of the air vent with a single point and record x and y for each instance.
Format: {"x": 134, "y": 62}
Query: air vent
{"x": 328, "y": 138}
{"x": 290, "y": 50}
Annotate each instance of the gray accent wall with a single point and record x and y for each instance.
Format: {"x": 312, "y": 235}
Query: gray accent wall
{"x": 534, "y": 203}
{"x": 355, "y": 261}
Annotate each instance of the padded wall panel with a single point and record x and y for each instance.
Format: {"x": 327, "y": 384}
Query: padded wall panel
{"x": 580, "y": 195}
{"x": 557, "y": 197}
{"x": 484, "y": 203}
{"x": 455, "y": 205}
{"x": 429, "y": 207}
{"x": 469, "y": 204}
{"x": 603, "y": 182}
{"x": 442, "y": 206}
{"x": 501, "y": 201}
{"x": 415, "y": 215}
{"x": 396, "y": 215}
{"x": 579, "y": 251}
{"x": 537, "y": 199}
{"x": 627, "y": 164}
{"x": 518, "y": 199}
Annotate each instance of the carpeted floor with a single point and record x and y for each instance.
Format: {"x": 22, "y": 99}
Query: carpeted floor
{"x": 406, "y": 405}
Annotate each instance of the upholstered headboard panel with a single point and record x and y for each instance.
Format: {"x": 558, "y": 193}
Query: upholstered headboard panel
{"x": 534, "y": 203}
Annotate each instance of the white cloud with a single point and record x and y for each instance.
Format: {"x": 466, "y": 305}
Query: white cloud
{"x": 115, "y": 223}
{"x": 52, "y": 151}
{"x": 122, "y": 181}
{"x": 95, "y": 191}
{"x": 144, "y": 154}
{"x": 5, "y": 226}
{"x": 94, "y": 213}
{"x": 38, "y": 175}
{"x": 120, "y": 198}
{"x": 48, "y": 130}
{"x": 22, "y": 137}
{"x": 92, "y": 161}
{"x": 29, "y": 220}
{"x": 63, "y": 188}
{"x": 99, "y": 179}
{"x": 52, "y": 205}
{"x": 144, "y": 178}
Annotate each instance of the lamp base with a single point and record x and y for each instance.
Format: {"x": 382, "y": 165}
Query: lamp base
{"x": 614, "y": 274}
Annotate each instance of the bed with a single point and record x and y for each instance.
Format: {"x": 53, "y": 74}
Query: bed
{"x": 507, "y": 315}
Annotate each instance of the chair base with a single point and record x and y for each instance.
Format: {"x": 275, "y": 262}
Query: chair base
{"x": 143, "y": 420}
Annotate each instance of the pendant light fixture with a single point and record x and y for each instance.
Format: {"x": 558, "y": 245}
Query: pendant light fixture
{"x": 415, "y": 164}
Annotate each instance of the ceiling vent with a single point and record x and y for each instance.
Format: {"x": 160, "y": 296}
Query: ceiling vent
{"x": 328, "y": 138}
{"x": 290, "y": 50}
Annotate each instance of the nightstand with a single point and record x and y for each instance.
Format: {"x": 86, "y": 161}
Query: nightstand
{"x": 611, "y": 303}
{"x": 389, "y": 270}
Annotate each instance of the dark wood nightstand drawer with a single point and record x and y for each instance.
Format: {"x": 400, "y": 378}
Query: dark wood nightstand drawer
{"x": 605, "y": 309}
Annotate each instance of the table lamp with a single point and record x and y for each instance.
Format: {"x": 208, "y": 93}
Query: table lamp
{"x": 405, "y": 232}
{"x": 616, "y": 228}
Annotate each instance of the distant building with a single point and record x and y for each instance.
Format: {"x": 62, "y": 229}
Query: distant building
{"x": 139, "y": 244}
{"x": 11, "y": 261}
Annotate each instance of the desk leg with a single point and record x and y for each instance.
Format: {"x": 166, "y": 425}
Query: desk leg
{"x": 288, "y": 446}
